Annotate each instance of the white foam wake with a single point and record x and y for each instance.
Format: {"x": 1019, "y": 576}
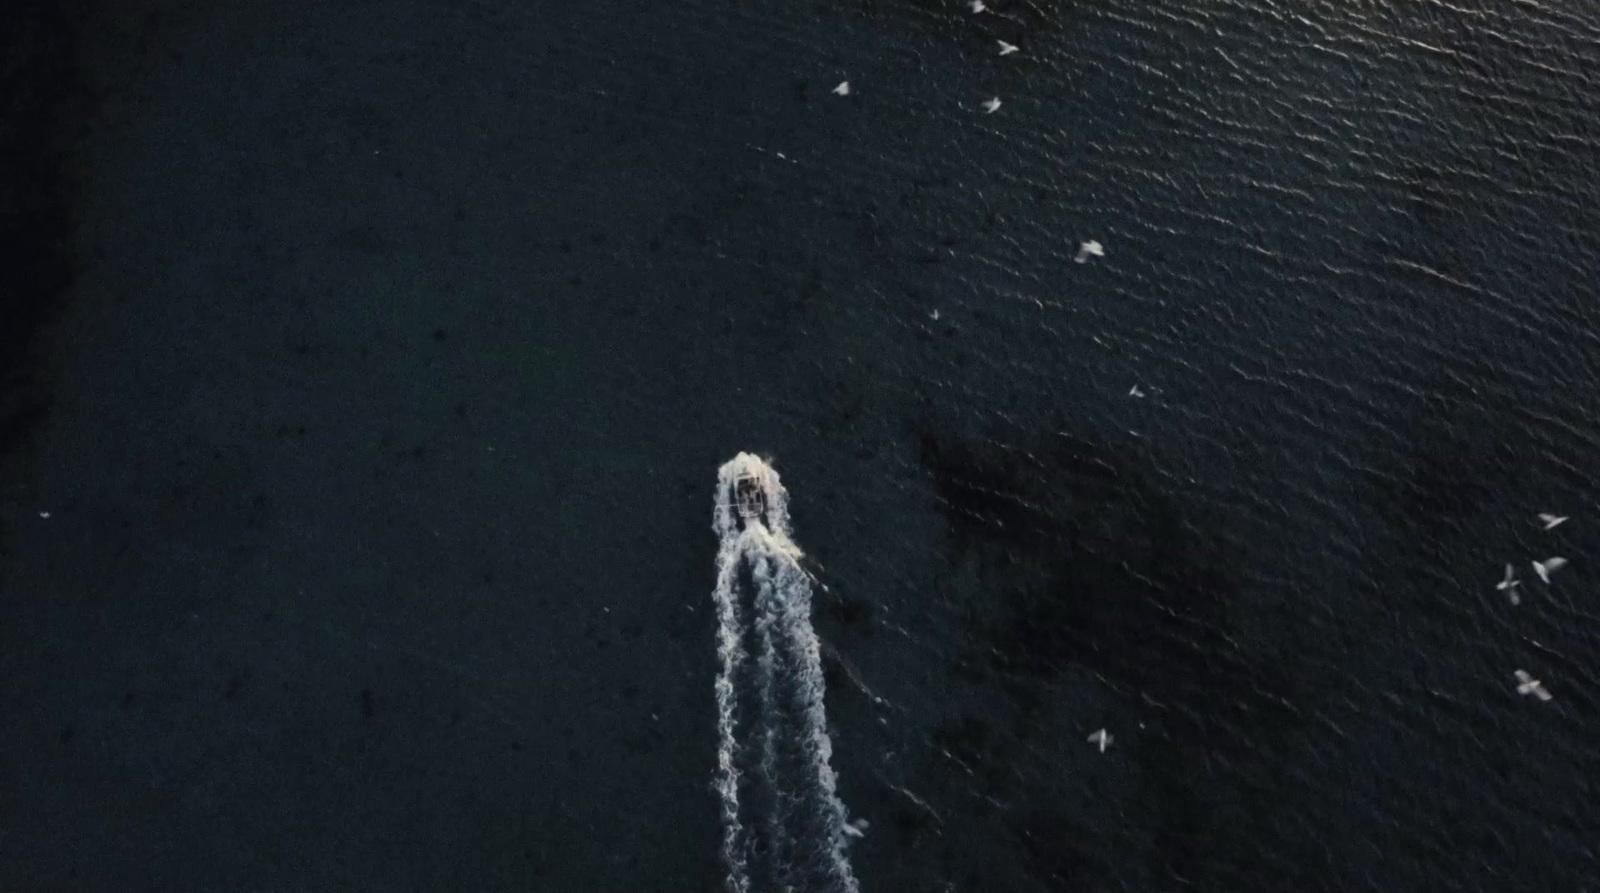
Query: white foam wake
{"x": 783, "y": 825}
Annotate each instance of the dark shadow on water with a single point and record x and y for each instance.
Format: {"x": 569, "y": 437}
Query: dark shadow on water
{"x": 1102, "y": 604}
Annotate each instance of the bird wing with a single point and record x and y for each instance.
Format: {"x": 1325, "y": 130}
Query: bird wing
{"x": 1523, "y": 677}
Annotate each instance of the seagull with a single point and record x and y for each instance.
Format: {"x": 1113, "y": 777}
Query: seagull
{"x": 1089, "y": 249}
{"x": 1527, "y": 685}
{"x": 1551, "y": 520}
{"x": 1509, "y": 585}
{"x": 857, "y": 828}
{"x": 1135, "y": 392}
{"x": 1548, "y": 566}
{"x": 991, "y": 105}
{"x": 1511, "y": 581}
{"x": 934, "y": 315}
{"x": 977, "y": 6}
{"x": 1102, "y": 738}
{"x": 1007, "y": 49}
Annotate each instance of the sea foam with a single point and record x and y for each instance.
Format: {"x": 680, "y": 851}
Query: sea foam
{"x": 783, "y": 825}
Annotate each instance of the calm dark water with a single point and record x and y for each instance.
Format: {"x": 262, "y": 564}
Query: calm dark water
{"x": 373, "y": 363}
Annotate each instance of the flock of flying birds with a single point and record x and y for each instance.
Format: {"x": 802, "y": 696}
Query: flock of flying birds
{"x": 990, "y": 106}
{"x": 1526, "y": 684}
{"x": 1086, "y": 250}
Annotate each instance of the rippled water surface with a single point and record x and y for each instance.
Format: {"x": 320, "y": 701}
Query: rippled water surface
{"x": 355, "y": 502}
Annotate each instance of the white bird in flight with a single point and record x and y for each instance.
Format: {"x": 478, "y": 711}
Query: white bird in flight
{"x": 1511, "y": 581}
{"x": 1509, "y": 585}
{"x": 1089, "y": 249}
{"x": 1527, "y": 685}
{"x": 991, "y": 105}
{"x": 1135, "y": 392}
{"x": 1102, "y": 738}
{"x": 977, "y": 6}
{"x": 1548, "y": 566}
{"x": 843, "y": 89}
{"x": 1551, "y": 520}
{"x": 1007, "y": 49}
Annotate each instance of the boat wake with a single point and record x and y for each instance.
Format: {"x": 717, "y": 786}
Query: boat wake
{"x": 783, "y": 825}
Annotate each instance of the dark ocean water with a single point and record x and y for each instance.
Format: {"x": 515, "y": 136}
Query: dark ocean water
{"x": 374, "y": 362}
